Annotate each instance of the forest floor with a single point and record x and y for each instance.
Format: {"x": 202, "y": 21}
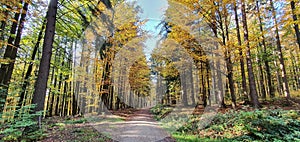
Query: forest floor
{"x": 136, "y": 125}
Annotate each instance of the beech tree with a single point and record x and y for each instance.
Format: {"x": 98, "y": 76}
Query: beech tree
{"x": 10, "y": 54}
{"x": 280, "y": 54}
{"x": 251, "y": 79}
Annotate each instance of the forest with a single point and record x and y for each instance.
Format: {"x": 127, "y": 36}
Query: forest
{"x": 218, "y": 70}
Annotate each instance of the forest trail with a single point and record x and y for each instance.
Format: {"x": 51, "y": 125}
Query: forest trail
{"x": 138, "y": 127}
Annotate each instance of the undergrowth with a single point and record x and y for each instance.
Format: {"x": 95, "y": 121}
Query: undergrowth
{"x": 257, "y": 125}
{"x": 13, "y": 129}
{"x": 160, "y": 111}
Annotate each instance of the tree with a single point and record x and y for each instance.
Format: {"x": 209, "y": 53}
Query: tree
{"x": 280, "y": 54}
{"x": 242, "y": 64}
{"x": 139, "y": 78}
{"x": 30, "y": 67}
{"x": 296, "y": 26}
{"x": 43, "y": 73}
{"x": 266, "y": 62}
{"x": 6, "y": 70}
{"x": 227, "y": 54}
{"x": 251, "y": 79}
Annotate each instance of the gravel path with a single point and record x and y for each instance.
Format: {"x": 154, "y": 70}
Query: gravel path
{"x": 140, "y": 127}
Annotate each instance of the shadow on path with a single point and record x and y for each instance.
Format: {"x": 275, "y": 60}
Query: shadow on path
{"x": 139, "y": 127}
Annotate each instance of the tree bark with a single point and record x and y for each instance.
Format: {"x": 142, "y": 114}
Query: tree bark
{"x": 280, "y": 54}
{"x": 265, "y": 56}
{"x": 184, "y": 88}
{"x": 30, "y": 67}
{"x": 261, "y": 76}
{"x": 190, "y": 73}
{"x": 279, "y": 80}
{"x": 204, "y": 95}
{"x": 2, "y": 30}
{"x": 4, "y": 77}
{"x": 43, "y": 73}
{"x": 219, "y": 81}
{"x": 229, "y": 64}
{"x": 251, "y": 79}
{"x": 242, "y": 64}
{"x": 296, "y": 26}
{"x": 208, "y": 77}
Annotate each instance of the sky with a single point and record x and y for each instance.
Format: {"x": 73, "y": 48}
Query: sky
{"x": 153, "y": 10}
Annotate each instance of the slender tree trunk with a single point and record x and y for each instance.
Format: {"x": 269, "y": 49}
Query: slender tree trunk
{"x": 229, "y": 63}
{"x": 192, "y": 84}
{"x": 105, "y": 86}
{"x": 13, "y": 52}
{"x": 66, "y": 96}
{"x": 219, "y": 92}
{"x": 208, "y": 82}
{"x": 4, "y": 77}
{"x": 295, "y": 71}
{"x": 261, "y": 76}
{"x": 242, "y": 64}
{"x": 214, "y": 96}
{"x": 265, "y": 56}
{"x": 2, "y": 31}
{"x": 43, "y": 73}
{"x": 279, "y": 81}
{"x": 30, "y": 67}
{"x": 184, "y": 88}
{"x": 251, "y": 79}
{"x": 51, "y": 101}
{"x": 296, "y": 27}
{"x": 280, "y": 54}
{"x": 204, "y": 96}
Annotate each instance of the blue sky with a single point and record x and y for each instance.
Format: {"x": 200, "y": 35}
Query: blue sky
{"x": 153, "y": 10}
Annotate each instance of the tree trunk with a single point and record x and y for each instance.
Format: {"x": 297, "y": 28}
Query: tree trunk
{"x": 43, "y": 73}
{"x": 2, "y": 31}
{"x": 14, "y": 50}
{"x": 59, "y": 96}
{"x": 208, "y": 77}
{"x": 4, "y": 77}
{"x": 204, "y": 96}
{"x": 279, "y": 80}
{"x": 190, "y": 72}
{"x": 281, "y": 60}
{"x": 218, "y": 80}
{"x": 30, "y": 67}
{"x": 51, "y": 101}
{"x": 251, "y": 79}
{"x": 295, "y": 71}
{"x": 184, "y": 88}
{"x": 265, "y": 56}
{"x": 296, "y": 27}
{"x": 242, "y": 64}
{"x": 261, "y": 76}
{"x": 229, "y": 64}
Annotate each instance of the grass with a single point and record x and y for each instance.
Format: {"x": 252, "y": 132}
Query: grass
{"x": 191, "y": 138}
{"x": 83, "y": 134}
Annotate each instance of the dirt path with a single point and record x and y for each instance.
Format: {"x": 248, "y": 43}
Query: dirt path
{"x": 139, "y": 127}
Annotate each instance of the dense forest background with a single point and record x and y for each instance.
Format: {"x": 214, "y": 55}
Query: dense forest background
{"x": 76, "y": 57}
